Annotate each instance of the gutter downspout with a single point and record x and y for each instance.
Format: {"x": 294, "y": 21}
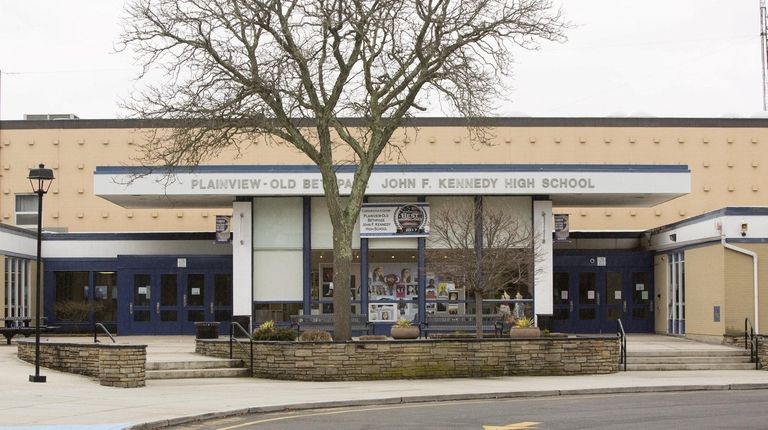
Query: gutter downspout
{"x": 754, "y": 275}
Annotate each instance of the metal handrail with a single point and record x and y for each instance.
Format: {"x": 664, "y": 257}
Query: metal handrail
{"x": 622, "y": 343}
{"x": 233, "y": 339}
{"x": 751, "y": 342}
{"x": 104, "y": 329}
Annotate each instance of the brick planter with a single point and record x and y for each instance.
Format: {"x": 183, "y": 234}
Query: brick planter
{"x": 114, "y": 365}
{"x": 450, "y": 358}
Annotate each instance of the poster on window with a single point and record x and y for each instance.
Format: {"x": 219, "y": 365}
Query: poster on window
{"x": 223, "y": 228}
{"x": 562, "y": 229}
{"x": 382, "y": 312}
{"x": 394, "y": 220}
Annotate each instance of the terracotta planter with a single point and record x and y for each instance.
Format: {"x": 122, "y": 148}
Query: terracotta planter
{"x": 524, "y": 332}
{"x": 405, "y": 332}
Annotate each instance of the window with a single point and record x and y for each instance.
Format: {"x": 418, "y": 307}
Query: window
{"x": 17, "y": 287}
{"x": 26, "y": 209}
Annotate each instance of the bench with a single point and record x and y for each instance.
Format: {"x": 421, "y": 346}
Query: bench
{"x": 10, "y": 332}
{"x": 325, "y": 322}
{"x": 465, "y": 323}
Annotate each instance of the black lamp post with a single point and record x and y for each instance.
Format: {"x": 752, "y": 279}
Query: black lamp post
{"x": 40, "y": 179}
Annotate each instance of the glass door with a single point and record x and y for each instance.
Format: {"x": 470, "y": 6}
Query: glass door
{"x": 615, "y": 301}
{"x": 167, "y": 305}
{"x": 194, "y": 301}
{"x": 140, "y": 306}
{"x": 640, "y": 316}
{"x": 220, "y": 304}
{"x": 586, "y": 302}
{"x": 562, "y": 303}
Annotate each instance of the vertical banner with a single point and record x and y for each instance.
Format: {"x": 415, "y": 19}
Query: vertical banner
{"x": 561, "y": 227}
{"x": 223, "y": 228}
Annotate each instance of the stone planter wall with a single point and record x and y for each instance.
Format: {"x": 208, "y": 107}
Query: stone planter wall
{"x": 370, "y": 360}
{"x": 762, "y": 352}
{"x": 114, "y": 365}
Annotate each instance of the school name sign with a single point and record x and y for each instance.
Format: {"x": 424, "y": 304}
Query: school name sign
{"x": 219, "y": 184}
{"x": 388, "y": 183}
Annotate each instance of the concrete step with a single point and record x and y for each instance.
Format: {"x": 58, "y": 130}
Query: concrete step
{"x": 692, "y": 366}
{"x": 687, "y": 360}
{"x": 196, "y": 364}
{"x": 227, "y": 372}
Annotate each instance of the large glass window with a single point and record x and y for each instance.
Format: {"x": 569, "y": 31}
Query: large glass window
{"x": 26, "y": 209}
{"x": 393, "y": 285}
{"x": 322, "y": 282}
{"x": 72, "y": 297}
{"x": 277, "y": 312}
{"x": 105, "y": 296}
{"x": 17, "y": 287}
{"x": 676, "y": 293}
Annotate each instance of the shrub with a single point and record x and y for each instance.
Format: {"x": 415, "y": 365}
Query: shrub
{"x": 524, "y": 322}
{"x": 268, "y": 331}
{"x": 315, "y": 336}
{"x": 402, "y": 322}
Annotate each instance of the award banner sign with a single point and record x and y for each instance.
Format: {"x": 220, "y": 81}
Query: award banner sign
{"x": 394, "y": 220}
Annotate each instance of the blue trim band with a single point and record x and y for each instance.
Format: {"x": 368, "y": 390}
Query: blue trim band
{"x": 132, "y": 236}
{"x": 626, "y": 168}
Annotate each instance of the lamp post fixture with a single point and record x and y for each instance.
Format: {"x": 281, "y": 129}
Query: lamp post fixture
{"x": 40, "y": 179}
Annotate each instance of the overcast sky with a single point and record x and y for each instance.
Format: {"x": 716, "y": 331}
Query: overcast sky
{"x": 652, "y": 57}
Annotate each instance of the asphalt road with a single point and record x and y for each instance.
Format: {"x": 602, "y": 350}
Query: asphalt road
{"x": 652, "y": 411}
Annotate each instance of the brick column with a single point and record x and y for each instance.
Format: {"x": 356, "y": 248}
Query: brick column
{"x": 122, "y": 365}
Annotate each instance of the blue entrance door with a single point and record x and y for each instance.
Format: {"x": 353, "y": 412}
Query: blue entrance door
{"x": 155, "y": 303}
{"x": 171, "y": 300}
{"x": 591, "y": 293}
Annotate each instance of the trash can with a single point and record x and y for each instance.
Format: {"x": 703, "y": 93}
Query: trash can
{"x": 206, "y": 330}
{"x": 245, "y": 323}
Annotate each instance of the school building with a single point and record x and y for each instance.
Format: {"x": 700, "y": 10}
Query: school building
{"x": 666, "y": 225}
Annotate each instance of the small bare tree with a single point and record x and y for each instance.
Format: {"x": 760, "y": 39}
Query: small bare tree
{"x": 503, "y": 255}
{"x": 290, "y": 71}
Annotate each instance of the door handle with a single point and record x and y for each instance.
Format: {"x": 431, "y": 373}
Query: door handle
{"x": 130, "y": 308}
{"x": 211, "y": 308}
{"x": 571, "y": 302}
{"x": 157, "y": 308}
{"x": 625, "y": 305}
{"x": 184, "y": 300}
{"x": 597, "y": 298}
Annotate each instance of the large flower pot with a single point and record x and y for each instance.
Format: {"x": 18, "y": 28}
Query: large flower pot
{"x": 524, "y": 332}
{"x": 405, "y": 332}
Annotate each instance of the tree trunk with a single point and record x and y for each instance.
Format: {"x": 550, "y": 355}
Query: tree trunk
{"x": 479, "y": 314}
{"x": 342, "y": 271}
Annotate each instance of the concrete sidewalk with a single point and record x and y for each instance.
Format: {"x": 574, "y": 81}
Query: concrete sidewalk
{"x": 72, "y": 401}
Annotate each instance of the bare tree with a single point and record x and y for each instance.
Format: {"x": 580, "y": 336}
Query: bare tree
{"x": 503, "y": 255}
{"x": 290, "y": 71}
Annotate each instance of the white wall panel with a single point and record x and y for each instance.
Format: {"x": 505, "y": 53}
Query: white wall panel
{"x": 278, "y": 223}
{"x": 322, "y": 230}
{"x": 242, "y": 253}
{"x": 543, "y": 228}
{"x": 277, "y": 276}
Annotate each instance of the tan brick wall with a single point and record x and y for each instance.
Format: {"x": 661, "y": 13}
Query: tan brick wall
{"x": 704, "y": 279}
{"x": 371, "y": 360}
{"x": 727, "y": 166}
{"x": 739, "y": 290}
{"x": 114, "y": 365}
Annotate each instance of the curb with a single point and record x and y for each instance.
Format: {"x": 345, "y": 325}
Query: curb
{"x": 437, "y": 398}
